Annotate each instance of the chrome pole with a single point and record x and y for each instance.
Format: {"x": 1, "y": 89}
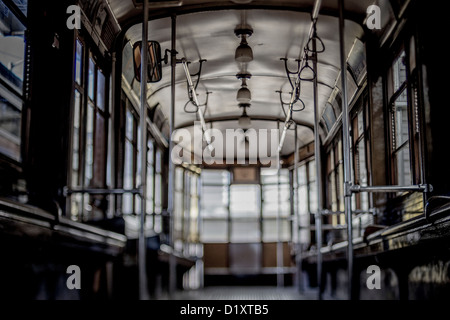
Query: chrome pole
{"x": 171, "y": 184}
{"x": 112, "y": 134}
{"x": 318, "y": 159}
{"x": 297, "y": 222}
{"x": 280, "y": 275}
{"x": 386, "y": 189}
{"x": 346, "y": 150}
{"x": 143, "y": 290}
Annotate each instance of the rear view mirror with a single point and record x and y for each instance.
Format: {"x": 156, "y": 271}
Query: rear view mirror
{"x": 154, "y": 70}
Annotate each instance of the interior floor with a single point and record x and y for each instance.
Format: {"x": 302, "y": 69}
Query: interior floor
{"x": 245, "y": 293}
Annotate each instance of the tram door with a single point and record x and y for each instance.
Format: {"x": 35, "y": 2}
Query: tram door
{"x": 243, "y": 223}
{"x": 245, "y": 251}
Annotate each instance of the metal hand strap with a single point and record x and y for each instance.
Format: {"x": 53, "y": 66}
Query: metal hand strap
{"x": 309, "y": 46}
{"x": 306, "y": 68}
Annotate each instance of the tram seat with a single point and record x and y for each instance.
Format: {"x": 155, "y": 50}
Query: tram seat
{"x": 371, "y": 229}
{"x": 116, "y": 224}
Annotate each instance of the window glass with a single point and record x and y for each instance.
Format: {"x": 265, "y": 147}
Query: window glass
{"x": 91, "y": 79}
{"x": 401, "y": 120}
{"x": 150, "y": 177}
{"x": 89, "y": 145}
{"x": 275, "y": 199}
{"x": 270, "y": 176}
{"x": 403, "y": 166}
{"x": 244, "y": 201}
{"x": 79, "y": 62}
{"x": 76, "y": 139}
{"x": 158, "y": 183}
{"x": 12, "y": 59}
{"x": 10, "y": 126}
{"x": 245, "y": 231}
{"x": 22, "y": 5}
{"x": 399, "y": 72}
{"x": 12, "y": 44}
{"x": 215, "y": 177}
{"x": 273, "y": 232}
{"x": 215, "y": 201}
{"x": 101, "y": 90}
{"x": 214, "y": 231}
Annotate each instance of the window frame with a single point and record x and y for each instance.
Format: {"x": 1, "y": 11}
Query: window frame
{"x": 100, "y": 156}
{"x": 16, "y": 97}
{"x": 414, "y": 117}
{"x": 361, "y": 108}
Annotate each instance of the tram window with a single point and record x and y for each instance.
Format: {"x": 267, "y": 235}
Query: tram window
{"x": 12, "y": 58}
{"x": 158, "y": 191}
{"x": 91, "y": 79}
{"x": 79, "y": 62}
{"x": 214, "y": 231}
{"x": 191, "y": 231}
{"x": 213, "y": 177}
{"x": 89, "y": 163}
{"x": 215, "y": 206}
{"x": 399, "y": 122}
{"x": 360, "y": 152}
{"x": 335, "y": 181}
{"x": 10, "y": 115}
{"x": 312, "y": 187}
{"x": 101, "y": 90}
{"x": 276, "y": 199}
{"x": 214, "y": 201}
{"x": 22, "y": 5}
{"x": 304, "y": 199}
{"x": 398, "y": 73}
{"x": 244, "y": 201}
{"x": 76, "y": 139}
{"x": 302, "y": 191}
{"x": 179, "y": 199}
{"x": 90, "y": 128}
{"x": 273, "y": 232}
{"x": 401, "y": 149}
{"x": 270, "y": 176}
{"x": 245, "y": 231}
{"x": 150, "y": 179}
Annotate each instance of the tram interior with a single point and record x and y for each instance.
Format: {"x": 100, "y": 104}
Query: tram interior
{"x": 290, "y": 148}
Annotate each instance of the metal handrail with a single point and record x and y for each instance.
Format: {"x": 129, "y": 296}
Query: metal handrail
{"x": 425, "y": 188}
{"x": 327, "y": 212}
{"x": 94, "y": 191}
{"x": 194, "y": 96}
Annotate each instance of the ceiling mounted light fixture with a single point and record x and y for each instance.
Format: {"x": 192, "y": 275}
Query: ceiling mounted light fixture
{"x": 244, "y": 52}
{"x": 244, "y": 96}
{"x": 245, "y": 121}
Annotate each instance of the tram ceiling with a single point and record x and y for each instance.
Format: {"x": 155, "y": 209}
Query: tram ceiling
{"x": 276, "y": 34}
{"x": 130, "y": 11}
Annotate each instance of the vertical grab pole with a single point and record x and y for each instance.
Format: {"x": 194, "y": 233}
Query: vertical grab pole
{"x": 280, "y": 275}
{"x": 346, "y": 153}
{"x": 318, "y": 216}
{"x": 297, "y": 222}
{"x": 143, "y": 290}
{"x": 171, "y": 186}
